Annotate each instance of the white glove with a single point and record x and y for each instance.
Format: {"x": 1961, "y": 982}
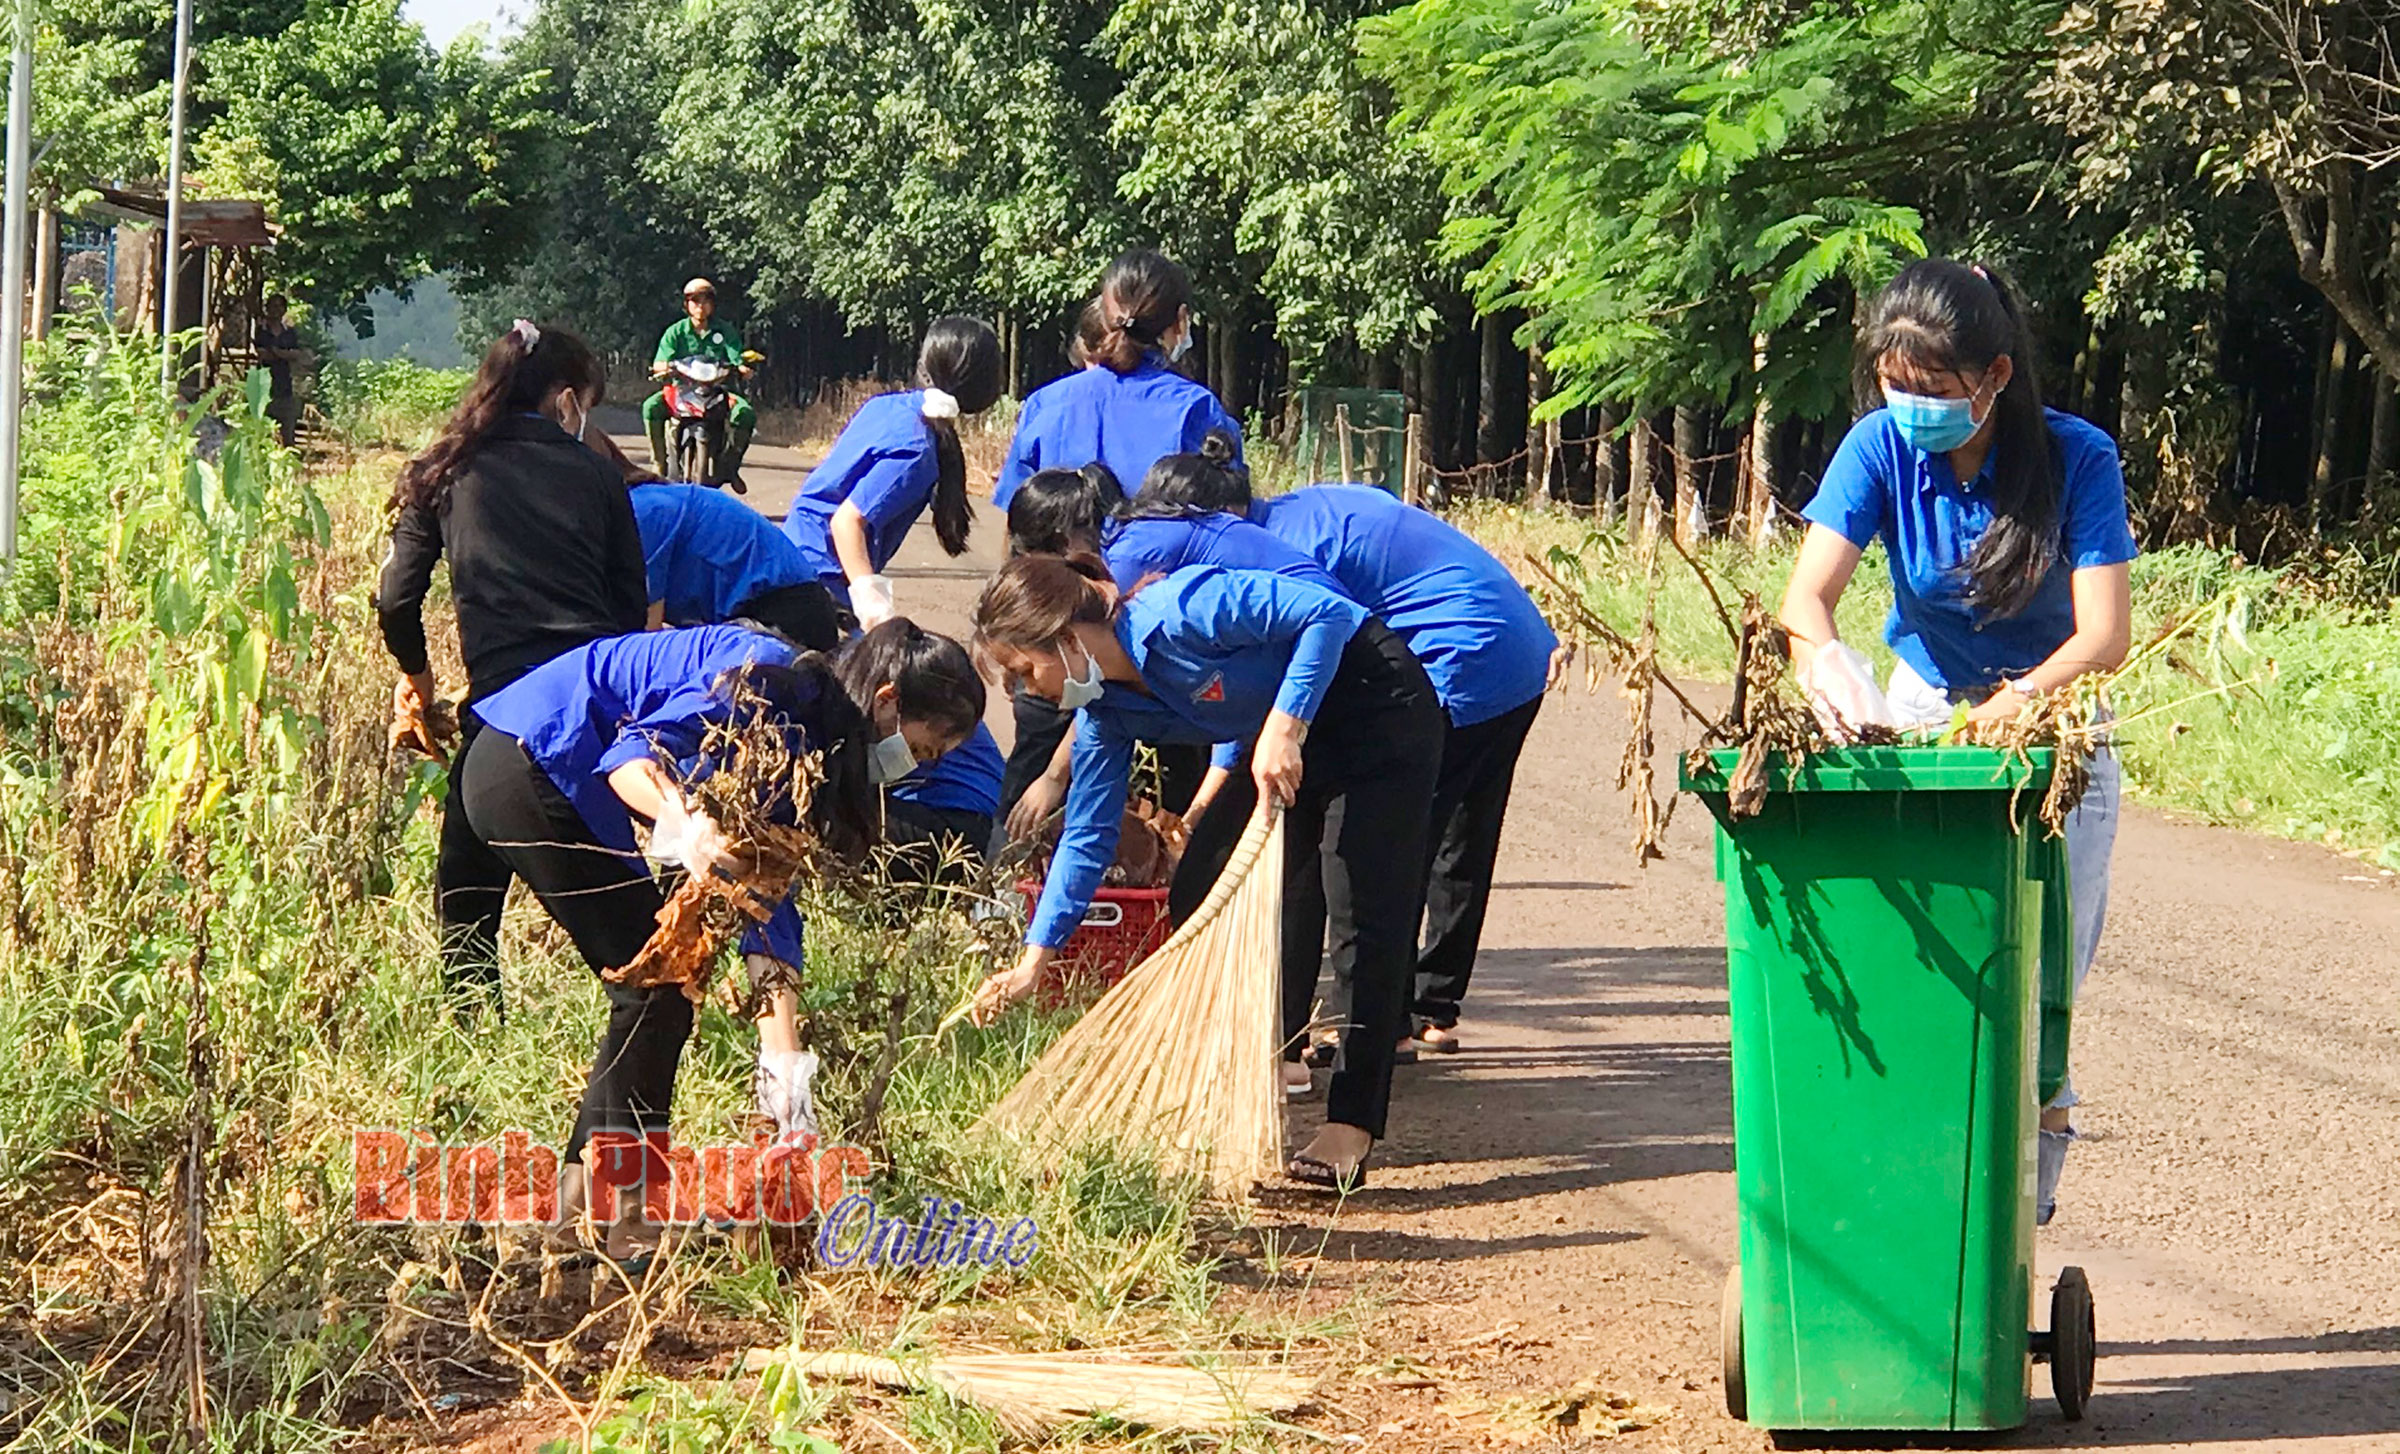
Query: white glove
{"x": 689, "y": 839}
{"x": 1843, "y": 692}
{"x": 871, "y": 601}
{"x": 783, "y": 1090}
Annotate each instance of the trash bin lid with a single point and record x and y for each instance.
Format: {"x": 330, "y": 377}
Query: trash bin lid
{"x": 1883, "y": 770}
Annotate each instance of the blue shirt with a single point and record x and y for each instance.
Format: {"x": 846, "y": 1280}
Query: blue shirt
{"x": 1125, "y": 421}
{"x": 1218, "y": 649}
{"x": 1139, "y": 549}
{"x": 1880, "y": 488}
{"x": 1481, "y": 638}
{"x": 583, "y": 715}
{"x": 708, "y": 554}
{"x": 966, "y": 779}
{"x": 884, "y": 464}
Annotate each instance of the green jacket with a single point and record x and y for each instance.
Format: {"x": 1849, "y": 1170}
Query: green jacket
{"x": 721, "y": 344}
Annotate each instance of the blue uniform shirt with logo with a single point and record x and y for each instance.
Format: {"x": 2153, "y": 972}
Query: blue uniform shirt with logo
{"x": 583, "y": 715}
{"x": 884, "y": 464}
{"x": 1218, "y": 650}
{"x": 1479, "y": 635}
{"x": 708, "y": 554}
{"x": 1128, "y": 422}
{"x": 966, "y": 779}
{"x": 1879, "y": 487}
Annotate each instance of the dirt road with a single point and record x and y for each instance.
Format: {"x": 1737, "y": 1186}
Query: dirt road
{"x": 2237, "y": 1205}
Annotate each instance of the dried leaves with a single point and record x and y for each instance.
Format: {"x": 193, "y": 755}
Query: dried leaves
{"x": 759, "y": 784}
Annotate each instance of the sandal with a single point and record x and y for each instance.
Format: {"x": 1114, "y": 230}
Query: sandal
{"x": 1319, "y": 1175}
{"x": 1423, "y": 1039}
{"x": 1320, "y": 1053}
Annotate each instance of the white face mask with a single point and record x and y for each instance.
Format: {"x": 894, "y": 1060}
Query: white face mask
{"x": 1080, "y": 691}
{"x": 1182, "y": 346}
{"x": 893, "y": 759}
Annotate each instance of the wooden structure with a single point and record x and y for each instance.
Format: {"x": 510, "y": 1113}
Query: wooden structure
{"x": 223, "y": 282}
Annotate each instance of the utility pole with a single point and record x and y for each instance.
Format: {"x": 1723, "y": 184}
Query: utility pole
{"x": 12, "y": 278}
{"x": 172, "y": 260}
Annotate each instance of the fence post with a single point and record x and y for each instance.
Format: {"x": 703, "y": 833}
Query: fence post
{"x": 1412, "y": 458}
{"x": 1341, "y": 432}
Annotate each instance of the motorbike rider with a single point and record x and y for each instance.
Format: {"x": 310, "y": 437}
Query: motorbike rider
{"x": 699, "y": 333}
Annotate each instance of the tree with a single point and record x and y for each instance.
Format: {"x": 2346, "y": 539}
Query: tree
{"x": 382, "y": 159}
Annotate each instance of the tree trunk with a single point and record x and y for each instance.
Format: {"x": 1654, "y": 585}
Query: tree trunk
{"x": 1537, "y": 436}
{"x": 1490, "y": 445}
{"x": 1433, "y": 402}
{"x": 1691, "y": 445}
{"x": 1609, "y": 465}
{"x": 1641, "y": 484}
{"x": 2332, "y": 258}
{"x": 2332, "y": 379}
{"x": 1758, "y": 496}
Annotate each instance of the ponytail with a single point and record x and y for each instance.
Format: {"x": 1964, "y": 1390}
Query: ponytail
{"x": 519, "y": 373}
{"x": 1206, "y": 483}
{"x": 931, "y": 675}
{"x": 1941, "y": 316}
{"x": 959, "y": 368}
{"x": 1142, "y": 295}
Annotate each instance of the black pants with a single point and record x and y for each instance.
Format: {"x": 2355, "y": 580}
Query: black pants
{"x": 1041, "y": 726}
{"x": 934, "y": 845}
{"x": 470, "y": 889}
{"x": 806, "y": 613}
{"x": 1354, "y": 853}
{"x": 1470, "y": 800}
{"x": 608, "y": 903}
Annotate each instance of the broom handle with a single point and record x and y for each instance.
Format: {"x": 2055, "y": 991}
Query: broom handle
{"x": 1237, "y": 869}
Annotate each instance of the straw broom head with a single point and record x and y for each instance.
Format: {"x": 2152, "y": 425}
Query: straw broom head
{"x": 1031, "y": 1394}
{"x": 1181, "y": 1053}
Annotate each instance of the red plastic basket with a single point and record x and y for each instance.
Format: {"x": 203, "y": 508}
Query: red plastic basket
{"x": 1118, "y": 931}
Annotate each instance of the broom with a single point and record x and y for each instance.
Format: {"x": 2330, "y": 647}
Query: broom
{"x": 1031, "y": 1394}
{"x": 1182, "y": 1052}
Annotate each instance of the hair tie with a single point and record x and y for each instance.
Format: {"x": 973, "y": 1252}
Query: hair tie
{"x": 526, "y": 333}
{"x": 938, "y": 404}
{"x": 1977, "y": 270}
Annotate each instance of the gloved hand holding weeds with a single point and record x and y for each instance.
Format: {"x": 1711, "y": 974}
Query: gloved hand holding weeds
{"x": 421, "y": 722}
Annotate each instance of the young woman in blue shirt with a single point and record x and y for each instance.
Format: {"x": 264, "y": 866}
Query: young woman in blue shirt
{"x": 1124, "y": 408}
{"x": 1067, "y": 511}
{"x": 2005, "y": 526}
{"x": 1483, "y": 643}
{"x": 898, "y": 455}
{"x": 1338, "y": 724}
{"x": 578, "y": 749}
{"x": 711, "y": 558}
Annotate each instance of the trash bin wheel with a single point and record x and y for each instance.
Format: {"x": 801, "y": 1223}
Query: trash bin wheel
{"x": 1729, "y": 1346}
{"x": 2071, "y": 1341}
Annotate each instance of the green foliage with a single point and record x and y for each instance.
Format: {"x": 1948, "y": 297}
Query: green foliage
{"x": 382, "y": 159}
{"x": 395, "y": 402}
{"x": 1657, "y": 201}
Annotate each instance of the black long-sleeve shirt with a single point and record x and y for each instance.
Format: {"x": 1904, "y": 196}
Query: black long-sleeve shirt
{"x": 544, "y": 556}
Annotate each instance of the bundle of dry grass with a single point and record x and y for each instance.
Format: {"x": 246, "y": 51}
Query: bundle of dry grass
{"x": 1181, "y": 1054}
{"x": 1031, "y": 1394}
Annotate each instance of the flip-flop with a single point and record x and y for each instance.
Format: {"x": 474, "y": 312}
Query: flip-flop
{"x": 1448, "y": 1045}
{"x": 1317, "y": 1175}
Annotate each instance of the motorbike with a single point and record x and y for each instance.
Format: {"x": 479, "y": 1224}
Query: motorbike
{"x": 699, "y": 402}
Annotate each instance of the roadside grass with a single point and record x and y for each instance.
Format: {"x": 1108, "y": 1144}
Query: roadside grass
{"x": 2278, "y": 711}
{"x": 217, "y": 952}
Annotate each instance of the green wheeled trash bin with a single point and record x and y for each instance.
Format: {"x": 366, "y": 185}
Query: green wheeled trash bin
{"x": 1900, "y": 961}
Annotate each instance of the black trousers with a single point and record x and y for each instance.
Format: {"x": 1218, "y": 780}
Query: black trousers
{"x": 1354, "y": 854}
{"x": 1470, "y": 800}
{"x": 608, "y": 903}
{"x": 806, "y": 613}
{"x": 470, "y": 889}
{"x": 1041, "y": 726}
